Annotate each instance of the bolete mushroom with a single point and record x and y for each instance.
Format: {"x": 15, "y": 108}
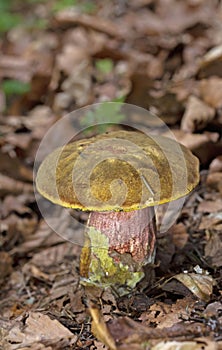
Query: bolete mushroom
{"x": 119, "y": 177}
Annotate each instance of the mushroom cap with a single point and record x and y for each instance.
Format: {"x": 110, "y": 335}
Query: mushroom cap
{"x": 120, "y": 170}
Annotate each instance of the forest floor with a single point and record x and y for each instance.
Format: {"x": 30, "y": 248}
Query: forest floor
{"x": 165, "y": 56}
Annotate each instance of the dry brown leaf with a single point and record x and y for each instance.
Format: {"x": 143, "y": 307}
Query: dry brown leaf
{"x": 211, "y": 222}
{"x": 216, "y": 165}
{"x": 210, "y": 206}
{"x": 194, "y": 141}
{"x": 211, "y": 56}
{"x": 43, "y": 237}
{"x": 128, "y": 332}
{"x": 197, "y": 115}
{"x": 204, "y": 145}
{"x": 213, "y": 250}
{"x": 213, "y": 309}
{"x": 199, "y": 284}
{"x": 211, "y": 91}
{"x": 18, "y": 204}
{"x": 75, "y": 62}
{"x": 211, "y": 63}
{"x": 214, "y": 180}
{"x": 100, "y": 330}
{"x": 180, "y": 17}
{"x": 21, "y": 140}
{"x": 34, "y": 271}
{"x": 55, "y": 255}
{"x": 101, "y": 24}
{"x": 15, "y": 67}
{"x": 14, "y": 227}
{"x": 164, "y": 316}
{"x": 92, "y": 41}
{"x": 9, "y": 185}
{"x": 40, "y": 329}
{"x": 70, "y": 58}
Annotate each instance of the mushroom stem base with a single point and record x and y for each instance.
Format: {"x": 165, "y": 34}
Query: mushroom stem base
{"x": 117, "y": 246}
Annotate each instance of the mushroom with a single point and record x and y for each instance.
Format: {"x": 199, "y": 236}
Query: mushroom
{"x": 119, "y": 177}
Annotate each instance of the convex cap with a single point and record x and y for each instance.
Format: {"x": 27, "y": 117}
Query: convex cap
{"x": 120, "y": 170}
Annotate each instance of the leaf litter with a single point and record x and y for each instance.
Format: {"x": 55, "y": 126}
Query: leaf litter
{"x": 167, "y": 61}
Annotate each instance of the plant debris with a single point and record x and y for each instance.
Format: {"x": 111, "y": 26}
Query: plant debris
{"x": 59, "y": 56}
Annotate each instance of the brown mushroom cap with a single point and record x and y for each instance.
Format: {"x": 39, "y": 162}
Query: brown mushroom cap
{"x": 120, "y": 170}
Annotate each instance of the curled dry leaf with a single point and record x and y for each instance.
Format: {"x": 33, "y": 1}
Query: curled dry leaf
{"x": 100, "y": 330}
{"x": 197, "y": 115}
{"x": 199, "y": 284}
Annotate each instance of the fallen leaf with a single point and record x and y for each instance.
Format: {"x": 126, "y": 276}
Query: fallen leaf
{"x": 197, "y": 115}
{"x": 101, "y": 24}
{"x": 100, "y": 330}
{"x": 55, "y": 255}
{"x": 194, "y": 141}
{"x": 163, "y": 316}
{"x": 39, "y": 328}
{"x": 9, "y": 185}
{"x": 44, "y": 236}
{"x": 211, "y": 63}
{"x": 213, "y": 248}
{"x": 216, "y": 165}
{"x": 210, "y": 206}
{"x": 14, "y": 228}
{"x": 75, "y": 62}
{"x": 213, "y": 309}
{"x": 127, "y": 331}
{"x": 211, "y": 91}
{"x": 204, "y": 145}
{"x": 212, "y": 221}
{"x": 15, "y": 67}
{"x": 16, "y": 204}
{"x": 214, "y": 180}
{"x": 199, "y": 284}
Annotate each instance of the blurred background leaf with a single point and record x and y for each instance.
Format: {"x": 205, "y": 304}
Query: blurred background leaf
{"x": 15, "y": 87}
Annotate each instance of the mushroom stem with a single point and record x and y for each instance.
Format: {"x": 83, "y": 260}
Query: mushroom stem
{"x": 128, "y": 238}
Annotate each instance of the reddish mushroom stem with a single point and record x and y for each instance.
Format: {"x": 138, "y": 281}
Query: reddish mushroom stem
{"x": 131, "y": 235}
